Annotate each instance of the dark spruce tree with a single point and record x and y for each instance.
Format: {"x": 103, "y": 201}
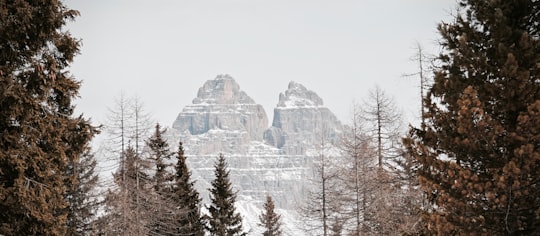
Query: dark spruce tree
{"x": 82, "y": 196}
{"x": 223, "y": 219}
{"x": 39, "y": 134}
{"x": 479, "y": 150}
{"x": 159, "y": 153}
{"x": 269, "y": 219}
{"x": 186, "y": 198}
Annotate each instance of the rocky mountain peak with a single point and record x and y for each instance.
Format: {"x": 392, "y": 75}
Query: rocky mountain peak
{"x": 297, "y": 95}
{"x": 222, "y": 90}
{"x": 223, "y": 115}
{"x": 300, "y": 120}
{"x": 263, "y": 160}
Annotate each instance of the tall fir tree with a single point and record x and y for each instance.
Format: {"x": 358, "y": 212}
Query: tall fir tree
{"x": 186, "y": 198}
{"x": 159, "y": 154}
{"x": 39, "y": 134}
{"x": 223, "y": 219}
{"x": 82, "y": 196}
{"x": 479, "y": 150}
{"x": 269, "y": 219}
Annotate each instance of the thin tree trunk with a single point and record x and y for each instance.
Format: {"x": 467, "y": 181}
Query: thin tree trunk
{"x": 325, "y": 224}
{"x": 356, "y": 179}
{"x": 379, "y": 132}
{"x": 138, "y": 223}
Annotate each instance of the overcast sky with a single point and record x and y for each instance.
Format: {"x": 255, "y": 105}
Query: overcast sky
{"x": 163, "y": 51}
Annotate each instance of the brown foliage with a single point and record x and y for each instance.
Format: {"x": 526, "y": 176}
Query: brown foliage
{"x": 478, "y": 149}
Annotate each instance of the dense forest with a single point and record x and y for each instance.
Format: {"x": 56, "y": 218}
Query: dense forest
{"x": 471, "y": 167}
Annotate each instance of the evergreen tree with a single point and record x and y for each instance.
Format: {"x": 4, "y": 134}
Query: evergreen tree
{"x": 40, "y": 137}
{"x": 81, "y": 196}
{"x": 159, "y": 153}
{"x": 478, "y": 150}
{"x": 269, "y": 219}
{"x": 223, "y": 220}
{"x": 186, "y": 198}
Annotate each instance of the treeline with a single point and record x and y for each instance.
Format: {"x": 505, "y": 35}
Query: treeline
{"x": 152, "y": 193}
{"x": 151, "y": 196}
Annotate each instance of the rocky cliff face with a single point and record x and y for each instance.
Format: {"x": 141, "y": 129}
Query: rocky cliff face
{"x": 301, "y": 122}
{"x": 226, "y": 117}
{"x": 275, "y": 161}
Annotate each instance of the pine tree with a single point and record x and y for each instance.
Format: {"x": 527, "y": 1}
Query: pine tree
{"x": 223, "y": 220}
{"x": 159, "y": 154}
{"x": 269, "y": 219}
{"x": 81, "y": 196}
{"x": 40, "y": 136}
{"x": 186, "y": 198}
{"x": 478, "y": 150}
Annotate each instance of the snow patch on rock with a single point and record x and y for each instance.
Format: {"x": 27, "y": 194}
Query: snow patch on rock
{"x": 298, "y": 96}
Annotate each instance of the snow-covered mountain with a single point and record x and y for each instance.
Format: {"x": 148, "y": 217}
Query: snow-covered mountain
{"x": 275, "y": 160}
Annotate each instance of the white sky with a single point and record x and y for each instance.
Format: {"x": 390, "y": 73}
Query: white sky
{"x": 163, "y": 51}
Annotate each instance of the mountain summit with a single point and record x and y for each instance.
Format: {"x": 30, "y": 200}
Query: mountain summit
{"x": 263, "y": 160}
{"x": 222, "y": 109}
{"x": 301, "y": 122}
{"x": 298, "y": 96}
{"x": 222, "y": 90}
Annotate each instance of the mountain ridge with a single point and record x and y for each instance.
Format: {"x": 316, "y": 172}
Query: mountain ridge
{"x": 263, "y": 160}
